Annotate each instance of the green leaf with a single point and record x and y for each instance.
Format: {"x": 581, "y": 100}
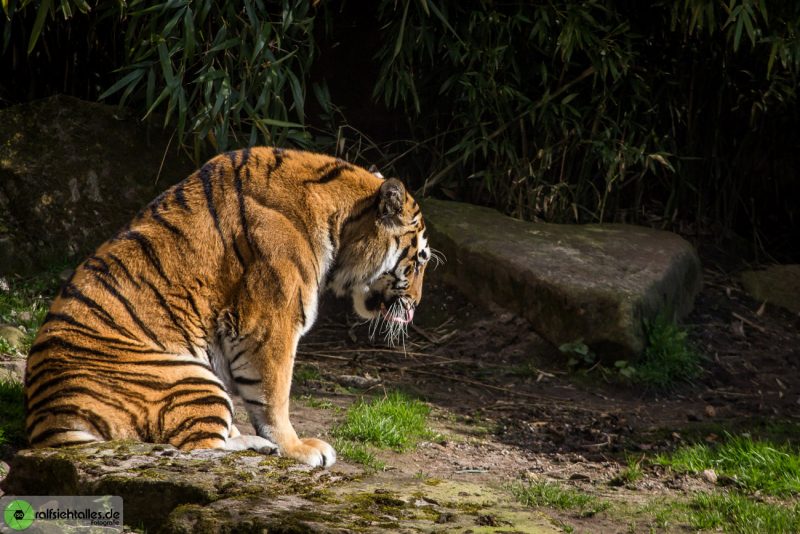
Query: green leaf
{"x": 773, "y": 52}
{"x": 442, "y": 18}
{"x": 167, "y": 30}
{"x": 151, "y": 86}
{"x": 164, "y": 94}
{"x": 401, "y": 33}
{"x": 66, "y": 9}
{"x": 166, "y": 65}
{"x": 83, "y": 6}
{"x": 44, "y": 9}
{"x": 281, "y": 124}
{"x": 297, "y": 94}
{"x": 569, "y": 98}
{"x": 748, "y": 25}
{"x": 182, "y": 112}
{"x": 737, "y": 35}
{"x": 188, "y": 33}
{"x": 224, "y": 45}
{"x": 131, "y": 77}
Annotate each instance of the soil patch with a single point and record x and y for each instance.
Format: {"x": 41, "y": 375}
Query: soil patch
{"x": 509, "y": 409}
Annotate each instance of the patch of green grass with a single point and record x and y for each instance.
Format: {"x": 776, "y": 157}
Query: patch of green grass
{"x": 357, "y": 453}
{"x": 664, "y": 514}
{"x": 395, "y": 421}
{"x": 6, "y": 347}
{"x": 755, "y": 465}
{"x": 668, "y": 357}
{"x": 24, "y": 303}
{"x": 629, "y": 474}
{"x": 306, "y": 373}
{"x": 12, "y": 413}
{"x": 313, "y": 402}
{"x": 735, "y": 513}
{"x": 553, "y": 495}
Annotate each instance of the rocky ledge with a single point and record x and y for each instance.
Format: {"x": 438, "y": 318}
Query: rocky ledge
{"x": 167, "y": 491}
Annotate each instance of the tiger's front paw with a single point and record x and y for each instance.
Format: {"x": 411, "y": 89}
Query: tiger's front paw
{"x": 312, "y": 451}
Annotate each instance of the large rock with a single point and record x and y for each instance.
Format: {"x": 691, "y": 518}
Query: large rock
{"x": 156, "y": 480}
{"x": 594, "y": 283}
{"x": 777, "y": 284}
{"x": 71, "y": 174}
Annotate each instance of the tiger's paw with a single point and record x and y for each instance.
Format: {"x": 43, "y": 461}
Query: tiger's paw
{"x": 253, "y": 443}
{"x": 312, "y": 451}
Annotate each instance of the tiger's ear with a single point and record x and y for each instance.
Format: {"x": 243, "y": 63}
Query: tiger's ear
{"x": 374, "y": 170}
{"x": 391, "y": 205}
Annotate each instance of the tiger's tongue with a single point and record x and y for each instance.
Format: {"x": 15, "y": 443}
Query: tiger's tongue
{"x": 403, "y": 320}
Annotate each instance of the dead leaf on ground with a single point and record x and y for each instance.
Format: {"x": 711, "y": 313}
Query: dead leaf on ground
{"x": 737, "y": 327}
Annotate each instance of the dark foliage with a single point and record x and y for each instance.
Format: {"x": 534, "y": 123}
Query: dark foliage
{"x": 681, "y": 114}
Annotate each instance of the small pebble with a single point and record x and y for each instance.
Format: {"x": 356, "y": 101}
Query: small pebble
{"x": 709, "y": 476}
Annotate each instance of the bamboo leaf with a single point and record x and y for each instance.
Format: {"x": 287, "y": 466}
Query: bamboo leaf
{"x": 398, "y": 45}
{"x": 66, "y": 9}
{"x": 224, "y": 45}
{"x": 167, "y": 29}
{"x": 569, "y": 98}
{"x": 773, "y": 52}
{"x": 444, "y": 20}
{"x": 188, "y": 33}
{"x": 737, "y": 35}
{"x": 83, "y": 6}
{"x": 41, "y": 14}
{"x": 133, "y": 76}
{"x": 151, "y": 86}
{"x": 182, "y": 113}
{"x": 297, "y": 94}
{"x": 748, "y": 25}
{"x": 164, "y": 94}
{"x": 279, "y": 123}
{"x": 166, "y": 65}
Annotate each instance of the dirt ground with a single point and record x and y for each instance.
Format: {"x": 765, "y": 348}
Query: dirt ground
{"x": 509, "y": 408}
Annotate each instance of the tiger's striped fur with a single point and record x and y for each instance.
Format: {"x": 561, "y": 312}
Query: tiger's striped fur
{"x": 206, "y": 294}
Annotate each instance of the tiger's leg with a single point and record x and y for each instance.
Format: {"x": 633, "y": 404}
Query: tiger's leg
{"x": 263, "y": 374}
{"x": 200, "y": 416}
{"x": 268, "y": 408}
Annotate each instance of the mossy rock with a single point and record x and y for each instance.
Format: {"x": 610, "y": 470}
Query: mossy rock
{"x": 71, "y": 174}
{"x": 168, "y": 491}
{"x": 154, "y": 480}
{"x": 13, "y": 335}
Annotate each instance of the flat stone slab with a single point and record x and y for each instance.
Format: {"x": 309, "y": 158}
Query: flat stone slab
{"x": 591, "y": 283}
{"x": 168, "y": 491}
{"x": 777, "y": 284}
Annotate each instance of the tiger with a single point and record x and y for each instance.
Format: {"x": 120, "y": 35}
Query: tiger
{"x": 205, "y": 295}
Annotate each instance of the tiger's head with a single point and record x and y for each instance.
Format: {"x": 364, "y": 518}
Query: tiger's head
{"x": 382, "y": 262}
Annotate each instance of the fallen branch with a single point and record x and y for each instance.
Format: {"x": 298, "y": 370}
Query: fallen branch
{"x": 751, "y": 323}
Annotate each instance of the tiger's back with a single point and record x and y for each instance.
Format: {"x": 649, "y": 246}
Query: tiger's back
{"x": 206, "y": 293}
